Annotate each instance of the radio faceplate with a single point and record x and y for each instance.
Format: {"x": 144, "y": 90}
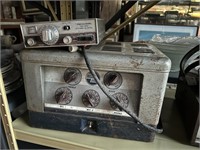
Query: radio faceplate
{"x": 128, "y": 93}
{"x": 63, "y": 33}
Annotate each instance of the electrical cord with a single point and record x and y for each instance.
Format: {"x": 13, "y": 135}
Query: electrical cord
{"x": 112, "y": 98}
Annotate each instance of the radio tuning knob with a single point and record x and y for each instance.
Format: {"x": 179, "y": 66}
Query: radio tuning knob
{"x": 72, "y": 76}
{"x": 90, "y": 98}
{"x": 122, "y": 99}
{"x": 63, "y": 96}
{"x": 112, "y": 80}
{"x": 31, "y": 42}
{"x": 49, "y": 34}
{"x": 67, "y": 39}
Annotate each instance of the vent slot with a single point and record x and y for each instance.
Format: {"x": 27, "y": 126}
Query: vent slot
{"x": 113, "y": 43}
{"x": 113, "y": 49}
{"x": 142, "y": 50}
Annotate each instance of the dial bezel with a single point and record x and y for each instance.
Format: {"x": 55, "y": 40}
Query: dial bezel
{"x": 114, "y": 106}
{"x": 79, "y": 78}
{"x": 114, "y": 86}
{"x": 54, "y": 31}
{"x": 58, "y": 92}
{"x": 84, "y": 100}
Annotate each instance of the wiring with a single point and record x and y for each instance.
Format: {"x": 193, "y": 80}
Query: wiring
{"x": 112, "y": 98}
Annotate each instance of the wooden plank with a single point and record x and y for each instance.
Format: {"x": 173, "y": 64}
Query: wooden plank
{"x": 62, "y": 10}
{"x": 6, "y": 117}
{"x": 51, "y": 10}
{"x": 109, "y": 9}
{"x": 66, "y": 10}
{"x": 68, "y": 5}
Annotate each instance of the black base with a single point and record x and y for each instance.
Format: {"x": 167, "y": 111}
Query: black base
{"x": 91, "y": 123}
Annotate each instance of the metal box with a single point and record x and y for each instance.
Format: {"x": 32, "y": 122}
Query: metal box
{"x": 62, "y": 94}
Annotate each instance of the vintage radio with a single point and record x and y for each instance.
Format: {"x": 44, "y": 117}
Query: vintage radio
{"x": 63, "y": 33}
{"x": 62, "y": 94}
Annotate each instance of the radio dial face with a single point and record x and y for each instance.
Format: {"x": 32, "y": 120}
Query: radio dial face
{"x": 49, "y": 34}
{"x": 72, "y": 76}
{"x": 122, "y": 99}
{"x": 63, "y": 96}
{"x": 90, "y": 98}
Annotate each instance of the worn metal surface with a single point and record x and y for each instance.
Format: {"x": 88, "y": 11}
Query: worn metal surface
{"x": 144, "y": 75}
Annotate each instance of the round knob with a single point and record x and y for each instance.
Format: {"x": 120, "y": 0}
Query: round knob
{"x": 63, "y": 96}
{"x": 122, "y": 99}
{"x": 67, "y": 39}
{"x": 31, "y": 42}
{"x": 49, "y": 34}
{"x": 112, "y": 80}
{"x": 90, "y": 98}
{"x": 72, "y": 76}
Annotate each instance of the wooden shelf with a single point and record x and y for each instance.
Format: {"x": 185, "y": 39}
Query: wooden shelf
{"x": 10, "y": 23}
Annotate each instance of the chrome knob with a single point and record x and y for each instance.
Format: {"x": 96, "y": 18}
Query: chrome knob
{"x": 49, "y": 34}
{"x": 31, "y": 42}
{"x": 67, "y": 39}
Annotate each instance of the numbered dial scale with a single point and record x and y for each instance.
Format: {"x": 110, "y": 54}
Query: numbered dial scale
{"x": 72, "y": 76}
{"x": 122, "y": 99}
{"x": 49, "y": 35}
{"x": 63, "y": 96}
{"x": 91, "y": 98}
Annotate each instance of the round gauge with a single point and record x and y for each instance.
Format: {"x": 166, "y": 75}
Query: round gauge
{"x": 90, "y": 79}
{"x": 112, "y": 80}
{"x": 72, "y": 76}
{"x": 90, "y": 98}
{"x": 122, "y": 99}
{"x": 49, "y": 34}
{"x": 63, "y": 96}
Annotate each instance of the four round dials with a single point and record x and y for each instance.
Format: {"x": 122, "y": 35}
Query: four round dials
{"x": 122, "y": 99}
{"x": 49, "y": 34}
{"x": 72, "y": 76}
{"x": 112, "y": 80}
{"x": 63, "y": 96}
{"x": 91, "y": 98}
